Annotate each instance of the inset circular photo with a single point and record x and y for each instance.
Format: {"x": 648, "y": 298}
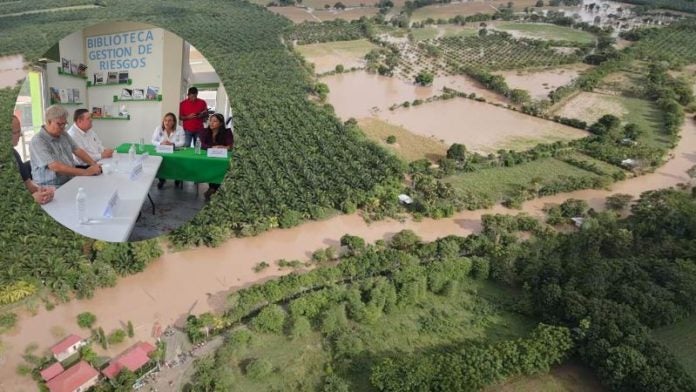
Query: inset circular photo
{"x": 122, "y": 132}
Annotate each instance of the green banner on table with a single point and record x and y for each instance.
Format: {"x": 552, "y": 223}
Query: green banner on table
{"x": 185, "y": 165}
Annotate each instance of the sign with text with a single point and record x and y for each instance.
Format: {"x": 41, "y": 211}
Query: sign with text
{"x": 111, "y": 205}
{"x": 217, "y": 153}
{"x": 165, "y": 149}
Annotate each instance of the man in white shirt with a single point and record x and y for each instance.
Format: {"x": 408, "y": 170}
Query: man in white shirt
{"x": 81, "y": 132}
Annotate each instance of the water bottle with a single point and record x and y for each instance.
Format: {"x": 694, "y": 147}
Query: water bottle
{"x": 81, "y": 201}
{"x": 131, "y": 153}
{"x": 198, "y": 146}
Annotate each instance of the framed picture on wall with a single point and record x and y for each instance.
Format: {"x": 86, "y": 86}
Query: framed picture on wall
{"x": 98, "y": 78}
{"x": 113, "y": 78}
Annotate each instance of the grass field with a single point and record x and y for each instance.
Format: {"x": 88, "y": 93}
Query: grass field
{"x": 681, "y": 340}
{"x": 408, "y": 146}
{"x": 424, "y": 33}
{"x": 431, "y": 32}
{"x": 591, "y": 106}
{"x": 547, "y": 32}
{"x": 466, "y": 8}
{"x": 496, "y": 182}
{"x": 299, "y": 364}
{"x": 325, "y": 56}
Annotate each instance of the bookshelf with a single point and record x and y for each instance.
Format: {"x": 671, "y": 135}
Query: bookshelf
{"x": 158, "y": 99}
{"x": 128, "y": 83}
{"x": 63, "y": 73}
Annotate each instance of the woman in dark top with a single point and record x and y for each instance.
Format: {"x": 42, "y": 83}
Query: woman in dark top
{"x": 216, "y": 136}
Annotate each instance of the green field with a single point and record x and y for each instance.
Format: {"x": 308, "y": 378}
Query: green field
{"x": 424, "y": 33}
{"x": 680, "y": 338}
{"x": 299, "y": 364}
{"x": 495, "y": 183}
{"x": 569, "y": 377}
{"x": 548, "y": 32}
{"x": 356, "y": 48}
{"x": 409, "y": 146}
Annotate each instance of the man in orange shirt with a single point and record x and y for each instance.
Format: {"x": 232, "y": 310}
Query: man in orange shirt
{"x": 192, "y": 112}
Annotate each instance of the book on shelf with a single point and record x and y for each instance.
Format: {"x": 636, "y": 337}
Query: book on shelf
{"x": 152, "y": 92}
{"x": 98, "y": 78}
{"x": 110, "y": 111}
{"x": 71, "y": 98}
{"x": 55, "y": 95}
{"x": 138, "y": 93}
{"x": 82, "y": 70}
{"x": 76, "y": 95}
{"x": 123, "y": 77}
{"x": 65, "y": 65}
{"x": 97, "y": 111}
{"x": 112, "y": 78}
{"x": 74, "y": 70}
{"x": 126, "y": 93}
{"x": 63, "y": 95}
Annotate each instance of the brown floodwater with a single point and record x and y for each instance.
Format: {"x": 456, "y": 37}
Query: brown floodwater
{"x": 11, "y": 70}
{"x": 377, "y": 93}
{"x": 480, "y": 126}
{"x": 199, "y": 280}
{"x": 540, "y": 82}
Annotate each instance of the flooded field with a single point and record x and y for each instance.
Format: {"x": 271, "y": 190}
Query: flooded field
{"x": 480, "y": 126}
{"x": 326, "y": 56}
{"x": 591, "y": 106}
{"x": 11, "y": 70}
{"x": 540, "y": 82}
{"x": 377, "y": 93}
{"x": 198, "y": 280}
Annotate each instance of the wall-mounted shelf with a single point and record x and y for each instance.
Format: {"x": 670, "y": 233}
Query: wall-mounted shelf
{"x": 67, "y": 103}
{"x": 158, "y": 99}
{"x": 124, "y": 118}
{"x": 128, "y": 83}
{"x": 61, "y": 72}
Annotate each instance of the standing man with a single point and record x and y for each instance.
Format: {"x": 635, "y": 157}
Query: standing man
{"x": 192, "y": 112}
{"x": 86, "y": 139}
{"x": 41, "y": 195}
{"x": 52, "y": 152}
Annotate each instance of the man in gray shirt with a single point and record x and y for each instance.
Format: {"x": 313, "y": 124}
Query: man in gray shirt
{"x": 52, "y": 152}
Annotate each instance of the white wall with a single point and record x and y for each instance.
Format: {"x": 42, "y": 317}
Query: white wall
{"x": 71, "y": 48}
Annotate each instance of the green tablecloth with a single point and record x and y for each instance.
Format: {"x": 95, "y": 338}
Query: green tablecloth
{"x": 185, "y": 165}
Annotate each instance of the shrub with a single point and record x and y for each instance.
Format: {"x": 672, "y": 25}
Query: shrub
{"x": 258, "y": 369}
{"x": 301, "y": 327}
{"x": 270, "y": 319}
{"x": 116, "y": 336}
{"x": 618, "y": 201}
{"x": 391, "y": 139}
{"x": 261, "y": 266}
{"x": 86, "y": 320}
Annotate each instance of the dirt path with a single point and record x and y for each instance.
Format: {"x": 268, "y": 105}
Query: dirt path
{"x": 198, "y": 280}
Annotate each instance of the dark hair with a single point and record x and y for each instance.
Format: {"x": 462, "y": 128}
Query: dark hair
{"x": 192, "y": 90}
{"x": 220, "y": 137}
{"x": 79, "y": 113}
{"x": 167, "y": 115}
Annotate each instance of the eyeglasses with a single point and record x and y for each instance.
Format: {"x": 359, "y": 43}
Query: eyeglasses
{"x": 62, "y": 124}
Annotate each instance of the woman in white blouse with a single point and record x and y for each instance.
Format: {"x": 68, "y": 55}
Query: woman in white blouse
{"x": 168, "y": 133}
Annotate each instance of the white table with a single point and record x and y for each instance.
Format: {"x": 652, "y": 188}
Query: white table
{"x": 99, "y": 189}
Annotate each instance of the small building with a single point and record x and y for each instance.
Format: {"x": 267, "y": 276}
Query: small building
{"x": 77, "y": 378}
{"x": 50, "y": 372}
{"x": 67, "y": 347}
{"x": 134, "y": 358}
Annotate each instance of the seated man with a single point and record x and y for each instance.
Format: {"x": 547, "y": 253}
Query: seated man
{"x": 41, "y": 195}
{"x": 86, "y": 139}
{"x": 52, "y": 152}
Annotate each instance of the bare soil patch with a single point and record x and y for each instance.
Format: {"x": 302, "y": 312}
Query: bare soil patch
{"x": 591, "y": 106}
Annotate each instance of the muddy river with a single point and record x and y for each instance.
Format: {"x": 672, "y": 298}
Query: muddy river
{"x": 198, "y": 280}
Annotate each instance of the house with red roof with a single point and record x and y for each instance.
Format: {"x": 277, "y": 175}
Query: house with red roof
{"x": 52, "y": 371}
{"x": 134, "y": 358}
{"x": 67, "y": 347}
{"x": 77, "y": 378}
